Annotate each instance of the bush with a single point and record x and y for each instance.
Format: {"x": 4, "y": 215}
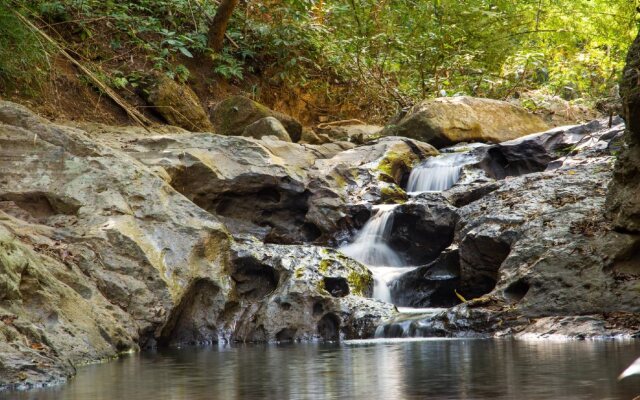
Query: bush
{"x": 23, "y": 58}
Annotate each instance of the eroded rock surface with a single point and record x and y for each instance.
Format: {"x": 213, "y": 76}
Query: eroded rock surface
{"x": 116, "y": 241}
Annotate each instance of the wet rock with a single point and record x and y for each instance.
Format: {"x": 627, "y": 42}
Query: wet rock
{"x": 342, "y": 185}
{"x": 233, "y": 115}
{"x": 423, "y": 228}
{"x": 431, "y": 285}
{"x": 518, "y": 159}
{"x": 538, "y": 246}
{"x": 318, "y": 295}
{"x": 268, "y": 126}
{"x": 446, "y": 121}
{"x": 178, "y": 104}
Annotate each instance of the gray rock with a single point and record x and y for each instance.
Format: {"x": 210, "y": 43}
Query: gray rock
{"x": 431, "y": 285}
{"x": 537, "y": 246}
{"x": 268, "y": 126}
{"x": 100, "y": 254}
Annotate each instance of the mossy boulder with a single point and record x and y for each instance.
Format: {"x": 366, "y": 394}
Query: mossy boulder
{"x": 177, "y": 104}
{"x": 233, "y": 115}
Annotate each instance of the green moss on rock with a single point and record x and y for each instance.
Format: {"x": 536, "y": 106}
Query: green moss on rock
{"x": 234, "y": 114}
{"x": 360, "y": 284}
{"x": 393, "y": 194}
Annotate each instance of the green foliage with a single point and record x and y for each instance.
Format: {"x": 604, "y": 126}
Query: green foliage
{"x": 23, "y": 59}
{"x": 380, "y": 52}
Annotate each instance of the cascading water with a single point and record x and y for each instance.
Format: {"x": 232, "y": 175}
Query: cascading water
{"x": 371, "y": 248}
{"x": 437, "y": 173}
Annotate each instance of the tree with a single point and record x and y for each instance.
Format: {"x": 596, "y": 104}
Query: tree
{"x": 218, "y": 26}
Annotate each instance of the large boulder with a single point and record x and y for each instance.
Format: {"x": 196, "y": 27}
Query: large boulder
{"x": 624, "y": 195}
{"x": 233, "y": 115}
{"x": 445, "y": 121}
{"x": 177, "y": 104}
{"x": 268, "y": 126}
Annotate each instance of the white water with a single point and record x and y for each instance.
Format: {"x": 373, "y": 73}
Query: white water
{"x": 370, "y": 248}
{"x": 436, "y": 174}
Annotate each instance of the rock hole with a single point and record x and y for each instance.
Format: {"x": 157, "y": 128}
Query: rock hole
{"x": 310, "y": 232}
{"x": 480, "y": 259}
{"x": 337, "y": 287}
{"x": 36, "y": 206}
{"x": 268, "y": 195}
{"x": 318, "y": 309}
{"x": 285, "y": 306}
{"x": 286, "y": 335}
{"x": 516, "y": 291}
{"x": 329, "y": 327}
{"x": 254, "y": 280}
{"x": 193, "y": 320}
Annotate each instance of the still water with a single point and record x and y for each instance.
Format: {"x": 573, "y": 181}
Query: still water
{"x": 427, "y": 369}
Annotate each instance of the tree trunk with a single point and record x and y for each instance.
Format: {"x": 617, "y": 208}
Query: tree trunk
{"x": 218, "y": 27}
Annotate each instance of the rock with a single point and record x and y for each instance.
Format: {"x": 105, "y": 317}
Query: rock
{"x": 268, "y": 126}
{"x": 343, "y": 185}
{"x": 423, "y": 228}
{"x": 595, "y": 326}
{"x": 355, "y": 133}
{"x": 100, "y": 255}
{"x": 310, "y": 137}
{"x": 534, "y": 247}
{"x": 446, "y": 121}
{"x": 431, "y": 285}
{"x": 178, "y": 104}
{"x": 233, "y": 115}
{"x": 622, "y": 204}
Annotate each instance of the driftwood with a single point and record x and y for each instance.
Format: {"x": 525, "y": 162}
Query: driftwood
{"x": 342, "y": 122}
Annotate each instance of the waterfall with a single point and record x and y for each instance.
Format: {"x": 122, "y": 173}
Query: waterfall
{"x": 371, "y": 248}
{"x": 437, "y": 173}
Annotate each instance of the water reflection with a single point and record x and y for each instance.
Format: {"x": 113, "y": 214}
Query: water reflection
{"x": 435, "y": 369}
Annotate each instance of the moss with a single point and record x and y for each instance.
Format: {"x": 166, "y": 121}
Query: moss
{"x": 320, "y": 287}
{"x": 359, "y": 283}
{"x": 393, "y": 194}
{"x": 325, "y": 263}
{"x": 394, "y": 164}
{"x": 340, "y": 181}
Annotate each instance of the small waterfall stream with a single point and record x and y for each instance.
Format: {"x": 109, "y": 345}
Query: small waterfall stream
{"x": 371, "y": 244}
{"x": 371, "y": 248}
{"x": 437, "y": 173}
